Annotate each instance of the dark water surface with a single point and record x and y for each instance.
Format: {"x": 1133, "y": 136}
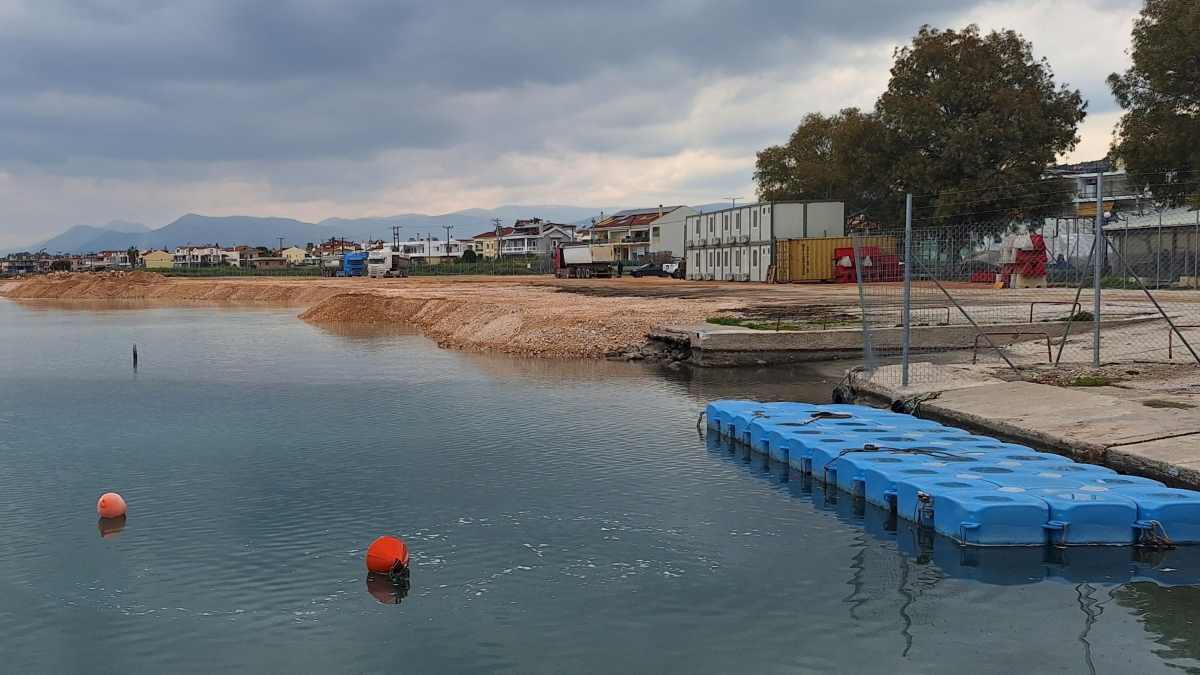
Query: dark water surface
{"x": 563, "y": 517}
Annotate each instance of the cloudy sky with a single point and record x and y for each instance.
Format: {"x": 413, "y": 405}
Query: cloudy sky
{"x": 147, "y": 109}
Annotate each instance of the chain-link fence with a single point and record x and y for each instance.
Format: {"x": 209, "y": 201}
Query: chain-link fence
{"x": 504, "y": 266}
{"x": 1021, "y": 286}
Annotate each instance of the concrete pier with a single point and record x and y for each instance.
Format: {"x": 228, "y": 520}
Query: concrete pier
{"x": 722, "y": 346}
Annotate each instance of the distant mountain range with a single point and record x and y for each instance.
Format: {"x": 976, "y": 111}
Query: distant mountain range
{"x": 256, "y": 231}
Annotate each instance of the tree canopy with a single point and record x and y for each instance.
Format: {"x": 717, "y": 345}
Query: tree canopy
{"x": 1160, "y": 93}
{"x": 827, "y": 157}
{"x": 969, "y": 122}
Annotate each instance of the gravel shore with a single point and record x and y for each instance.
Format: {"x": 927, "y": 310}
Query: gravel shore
{"x": 520, "y": 316}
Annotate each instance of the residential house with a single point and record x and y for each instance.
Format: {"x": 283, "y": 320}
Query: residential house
{"x": 434, "y": 250}
{"x": 484, "y": 243}
{"x": 203, "y": 255}
{"x": 335, "y": 246}
{"x": 738, "y": 243}
{"x": 25, "y": 263}
{"x": 637, "y": 233}
{"x": 91, "y": 262}
{"x": 114, "y": 259}
{"x": 267, "y": 263}
{"x": 157, "y": 260}
{"x": 294, "y": 255}
{"x": 1119, "y": 193}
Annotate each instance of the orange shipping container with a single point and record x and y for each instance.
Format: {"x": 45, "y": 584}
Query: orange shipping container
{"x": 809, "y": 260}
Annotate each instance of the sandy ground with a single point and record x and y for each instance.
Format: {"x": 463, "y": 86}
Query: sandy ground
{"x": 548, "y": 317}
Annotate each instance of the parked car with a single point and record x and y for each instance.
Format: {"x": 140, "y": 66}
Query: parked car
{"x": 652, "y": 270}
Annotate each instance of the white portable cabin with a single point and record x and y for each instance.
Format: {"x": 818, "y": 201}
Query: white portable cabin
{"x": 736, "y": 244}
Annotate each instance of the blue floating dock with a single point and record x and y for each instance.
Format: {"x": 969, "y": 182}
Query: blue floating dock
{"x": 974, "y": 489}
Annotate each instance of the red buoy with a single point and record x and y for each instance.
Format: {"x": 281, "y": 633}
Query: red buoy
{"x": 385, "y": 553}
{"x": 111, "y": 505}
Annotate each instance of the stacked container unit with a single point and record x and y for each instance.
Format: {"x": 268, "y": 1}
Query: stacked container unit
{"x": 738, "y": 243}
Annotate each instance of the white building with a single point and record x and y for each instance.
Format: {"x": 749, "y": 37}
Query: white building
{"x": 234, "y": 257}
{"x": 534, "y": 236}
{"x": 427, "y": 249}
{"x": 738, "y": 243}
{"x": 635, "y": 233}
{"x": 204, "y": 255}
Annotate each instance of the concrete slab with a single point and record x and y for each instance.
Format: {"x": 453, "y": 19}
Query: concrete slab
{"x": 715, "y": 345}
{"x": 1178, "y": 458}
{"x": 928, "y": 378}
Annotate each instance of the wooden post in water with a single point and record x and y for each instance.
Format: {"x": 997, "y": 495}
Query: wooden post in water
{"x": 135, "y": 356}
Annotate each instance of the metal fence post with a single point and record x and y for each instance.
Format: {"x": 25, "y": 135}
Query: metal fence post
{"x": 1158, "y": 251}
{"x": 1098, "y": 261}
{"x": 906, "y": 338}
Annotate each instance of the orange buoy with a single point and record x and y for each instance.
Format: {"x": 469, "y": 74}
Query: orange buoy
{"x": 385, "y": 553}
{"x": 111, "y": 505}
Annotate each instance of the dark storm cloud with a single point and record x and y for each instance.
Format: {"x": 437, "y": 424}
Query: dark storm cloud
{"x": 290, "y": 79}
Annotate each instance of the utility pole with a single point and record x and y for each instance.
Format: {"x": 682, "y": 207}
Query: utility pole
{"x": 496, "y": 222}
{"x": 396, "y": 238}
{"x": 447, "y": 228}
{"x": 733, "y": 202}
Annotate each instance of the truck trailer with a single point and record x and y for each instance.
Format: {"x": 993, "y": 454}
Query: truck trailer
{"x": 387, "y": 262}
{"x": 351, "y": 263}
{"x": 583, "y": 261}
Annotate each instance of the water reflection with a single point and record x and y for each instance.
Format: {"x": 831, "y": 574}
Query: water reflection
{"x": 812, "y": 382}
{"x": 386, "y": 589}
{"x": 809, "y": 382}
{"x": 107, "y": 305}
{"x": 366, "y": 332}
{"x": 111, "y": 527}
{"x": 1168, "y": 614}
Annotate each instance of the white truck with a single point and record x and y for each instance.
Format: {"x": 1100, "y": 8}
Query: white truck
{"x": 584, "y": 261}
{"x": 387, "y": 262}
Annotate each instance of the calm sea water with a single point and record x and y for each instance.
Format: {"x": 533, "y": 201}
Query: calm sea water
{"x": 563, "y": 517}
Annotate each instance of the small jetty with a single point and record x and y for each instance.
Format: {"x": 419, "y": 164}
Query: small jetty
{"x": 973, "y": 489}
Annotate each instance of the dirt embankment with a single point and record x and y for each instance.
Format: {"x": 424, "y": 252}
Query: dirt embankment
{"x": 154, "y": 286}
{"x": 520, "y": 317}
{"x": 518, "y": 321}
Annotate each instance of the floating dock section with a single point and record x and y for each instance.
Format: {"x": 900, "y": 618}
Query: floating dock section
{"x": 973, "y": 489}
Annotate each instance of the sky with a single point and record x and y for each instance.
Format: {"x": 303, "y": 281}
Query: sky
{"x": 143, "y": 110}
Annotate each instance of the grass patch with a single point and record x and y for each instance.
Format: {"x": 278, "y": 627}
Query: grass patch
{"x": 724, "y": 320}
{"x": 230, "y": 271}
{"x": 1160, "y": 403}
{"x": 754, "y": 324}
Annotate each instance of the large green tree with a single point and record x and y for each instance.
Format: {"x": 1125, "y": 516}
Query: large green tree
{"x": 974, "y": 120}
{"x": 1158, "y": 138}
{"x": 969, "y": 123}
{"x": 827, "y": 157}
